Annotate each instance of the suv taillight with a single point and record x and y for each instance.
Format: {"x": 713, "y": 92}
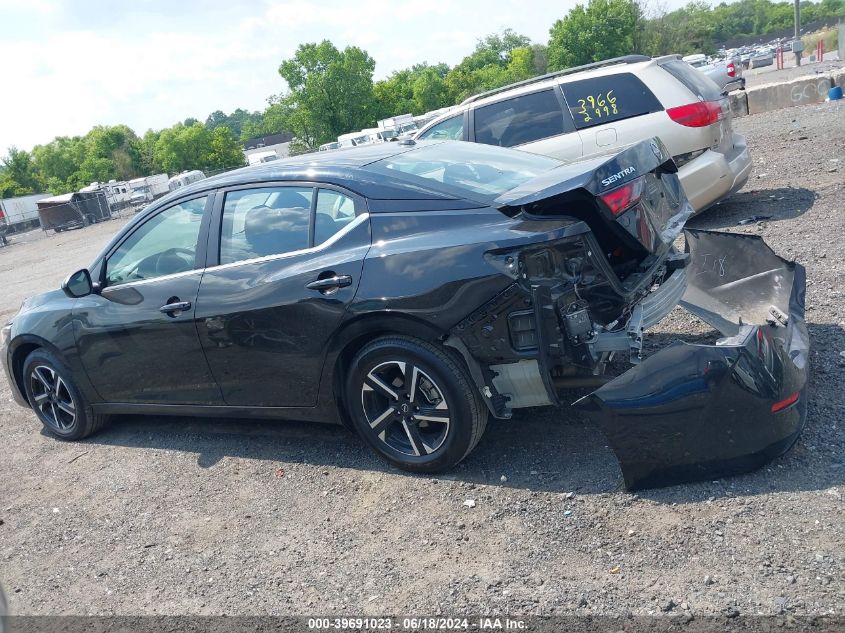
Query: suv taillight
{"x": 624, "y": 197}
{"x": 731, "y": 70}
{"x": 698, "y": 114}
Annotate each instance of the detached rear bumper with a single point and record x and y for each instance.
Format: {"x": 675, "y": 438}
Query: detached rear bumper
{"x": 693, "y": 412}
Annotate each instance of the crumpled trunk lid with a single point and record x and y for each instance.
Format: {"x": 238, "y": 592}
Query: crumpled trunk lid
{"x": 633, "y": 238}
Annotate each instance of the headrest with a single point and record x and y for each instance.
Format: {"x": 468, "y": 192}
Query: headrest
{"x": 272, "y": 231}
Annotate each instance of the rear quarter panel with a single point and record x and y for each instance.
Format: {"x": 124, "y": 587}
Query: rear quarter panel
{"x": 432, "y": 265}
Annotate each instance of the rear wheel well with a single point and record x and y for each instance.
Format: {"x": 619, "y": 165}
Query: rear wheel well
{"x": 368, "y": 331}
{"x": 18, "y": 357}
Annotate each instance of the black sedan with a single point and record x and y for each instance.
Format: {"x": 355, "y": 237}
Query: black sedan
{"x": 409, "y": 290}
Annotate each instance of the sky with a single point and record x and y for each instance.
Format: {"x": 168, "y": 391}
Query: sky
{"x": 67, "y": 65}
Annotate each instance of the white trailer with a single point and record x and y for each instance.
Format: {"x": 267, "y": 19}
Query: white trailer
{"x": 158, "y": 184}
{"x": 256, "y": 158}
{"x": 117, "y": 192}
{"x": 149, "y": 187}
{"x": 185, "y": 178}
{"x": 17, "y": 214}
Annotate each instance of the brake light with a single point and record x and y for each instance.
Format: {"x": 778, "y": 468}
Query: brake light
{"x": 624, "y": 197}
{"x": 785, "y": 403}
{"x": 731, "y": 70}
{"x": 698, "y": 114}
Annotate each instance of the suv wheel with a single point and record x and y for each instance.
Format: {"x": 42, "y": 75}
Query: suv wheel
{"x": 414, "y": 404}
{"x": 56, "y": 400}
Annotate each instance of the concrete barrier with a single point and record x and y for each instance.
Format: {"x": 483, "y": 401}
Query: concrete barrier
{"x": 839, "y": 76}
{"x": 739, "y": 103}
{"x": 799, "y": 91}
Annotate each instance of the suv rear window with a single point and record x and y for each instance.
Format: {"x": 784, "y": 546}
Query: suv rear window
{"x": 519, "y": 120}
{"x": 600, "y": 100}
{"x": 700, "y": 85}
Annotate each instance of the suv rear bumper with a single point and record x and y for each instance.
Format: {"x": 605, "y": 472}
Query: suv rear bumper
{"x": 713, "y": 176}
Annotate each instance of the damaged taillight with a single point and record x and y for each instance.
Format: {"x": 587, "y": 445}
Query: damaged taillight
{"x": 624, "y": 197}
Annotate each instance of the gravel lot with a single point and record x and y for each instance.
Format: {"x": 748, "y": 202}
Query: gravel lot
{"x": 170, "y": 516}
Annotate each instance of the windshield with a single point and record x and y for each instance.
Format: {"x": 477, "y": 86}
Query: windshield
{"x": 480, "y": 172}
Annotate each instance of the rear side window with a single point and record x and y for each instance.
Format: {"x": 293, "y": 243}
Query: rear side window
{"x": 600, "y": 100}
{"x": 519, "y": 120}
{"x": 451, "y": 129}
{"x": 265, "y": 221}
{"x": 700, "y": 85}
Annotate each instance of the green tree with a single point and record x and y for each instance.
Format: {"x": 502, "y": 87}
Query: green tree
{"x": 146, "y": 153}
{"x": 600, "y": 30}
{"x": 521, "y": 65}
{"x": 184, "y": 147}
{"x": 331, "y": 90}
{"x": 19, "y": 176}
{"x": 58, "y": 162}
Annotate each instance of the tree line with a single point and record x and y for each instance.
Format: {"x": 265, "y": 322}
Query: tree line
{"x": 331, "y": 91}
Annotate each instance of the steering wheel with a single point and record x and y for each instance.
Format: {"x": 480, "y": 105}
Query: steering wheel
{"x": 188, "y": 259}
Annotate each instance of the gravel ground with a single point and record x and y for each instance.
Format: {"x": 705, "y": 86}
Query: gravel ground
{"x": 170, "y": 516}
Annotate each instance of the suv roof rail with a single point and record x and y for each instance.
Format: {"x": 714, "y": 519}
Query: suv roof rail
{"x": 625, "y": 59}
{"x": 667, "y": 58}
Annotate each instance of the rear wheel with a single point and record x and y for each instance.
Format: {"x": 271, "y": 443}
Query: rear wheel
{"x": 55, "y": 398}
{"x": 414, "y": 404}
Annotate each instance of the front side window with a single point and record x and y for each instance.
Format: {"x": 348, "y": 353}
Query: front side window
{"x": 600, "y": 100}
{"x": 164, "y": 245}
{"x": 519, "y": 120}
{"x": 449, "y": 130}
{"x": 265, "y": 221}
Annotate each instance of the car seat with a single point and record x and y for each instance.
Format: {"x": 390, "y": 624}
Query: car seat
{"x": 270, "y": 231}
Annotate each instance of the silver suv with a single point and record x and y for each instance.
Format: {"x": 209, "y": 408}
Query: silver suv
{"x": 600, "y": 108}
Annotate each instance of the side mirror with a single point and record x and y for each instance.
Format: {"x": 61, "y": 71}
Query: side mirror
{"x": 78, "y": 284}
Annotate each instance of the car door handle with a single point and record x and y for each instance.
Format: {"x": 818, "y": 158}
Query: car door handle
{"x": 178, "y": 306}
{"x": 338, "y": 281}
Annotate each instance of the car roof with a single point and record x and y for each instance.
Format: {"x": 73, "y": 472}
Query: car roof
{"x": 346, "y": 168}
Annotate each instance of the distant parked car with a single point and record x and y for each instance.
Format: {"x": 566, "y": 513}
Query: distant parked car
{"x": 140, "y": 196}
{"x": 762, "y": 57}
{"x": 602, "y": 107}
{"x": 726, "y": 73}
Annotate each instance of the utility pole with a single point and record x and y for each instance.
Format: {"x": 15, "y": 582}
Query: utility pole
{"x": 796, "y": 47}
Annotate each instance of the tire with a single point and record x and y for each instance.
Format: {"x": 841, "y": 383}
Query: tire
{"x": 436, "y": 417}
{"x": 62, "y": 410}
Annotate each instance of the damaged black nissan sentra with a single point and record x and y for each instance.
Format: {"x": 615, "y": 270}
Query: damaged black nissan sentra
{"x": 412, "y": 289}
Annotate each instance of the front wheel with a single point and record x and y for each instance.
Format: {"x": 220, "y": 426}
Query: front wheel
{"x": 56, "y": 400}
{"x": 414, "y": 404}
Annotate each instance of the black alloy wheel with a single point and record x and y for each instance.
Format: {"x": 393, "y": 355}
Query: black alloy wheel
{"x": 414, "y": 404}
